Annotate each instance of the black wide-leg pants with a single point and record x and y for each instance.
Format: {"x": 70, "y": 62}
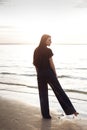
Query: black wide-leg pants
{"x": 45, "y": 77}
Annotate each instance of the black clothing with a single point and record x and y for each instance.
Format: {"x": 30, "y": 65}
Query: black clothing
{"x": 41, "y": 58}
{"x": 45, "y": 75}
{"x": 48, "y": 77}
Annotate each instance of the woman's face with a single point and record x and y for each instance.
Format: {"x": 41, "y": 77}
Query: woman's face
{"x": 48, "y": 41}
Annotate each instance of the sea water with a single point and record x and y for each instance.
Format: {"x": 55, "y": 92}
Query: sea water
{"x": 18, "y": 75}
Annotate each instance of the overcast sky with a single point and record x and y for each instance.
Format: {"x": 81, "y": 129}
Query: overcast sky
{"x": 24, "y": 21}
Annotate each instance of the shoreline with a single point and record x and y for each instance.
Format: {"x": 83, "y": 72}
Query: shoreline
{"x": 17, "y": 115}
{"x": 32, "y": 99}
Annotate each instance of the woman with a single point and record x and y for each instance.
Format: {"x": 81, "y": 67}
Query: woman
{"x": 46, "y": 74}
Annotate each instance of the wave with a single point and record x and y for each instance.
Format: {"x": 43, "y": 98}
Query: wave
{"x": 76, "y": 91}
{"x": 35, "y": 87}
{"x": 28, "y": 92}
{"x": 9, "y": 66}
{"x": 18, "y": 91}
{"x": 34, "y": 75}
{"x": 71, "y": 68}
{"x": 31, "y": 67}
{"x": 17, "y": 84}
{"x": 36, "y": 93}
{"x": 8, "y": 73}
{"x": 72, "y": 77}
{"x": 17, "y": 65}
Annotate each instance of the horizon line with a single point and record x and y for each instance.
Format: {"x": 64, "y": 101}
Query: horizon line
{"x": 35, "y": 43}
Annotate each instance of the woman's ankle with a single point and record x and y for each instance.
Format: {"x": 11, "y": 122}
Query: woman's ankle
{"x": 76, "y": 113}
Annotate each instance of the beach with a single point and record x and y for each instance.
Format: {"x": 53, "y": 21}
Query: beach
{"x": 17, "y": 115}
{"x": 19, "y": 97}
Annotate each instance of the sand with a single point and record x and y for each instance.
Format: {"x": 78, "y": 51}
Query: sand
{"x": 17, "y": 115}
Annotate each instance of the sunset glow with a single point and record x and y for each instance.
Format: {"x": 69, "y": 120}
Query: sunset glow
{"x": 25, "y": 21}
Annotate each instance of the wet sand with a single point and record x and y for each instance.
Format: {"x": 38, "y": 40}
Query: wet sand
{"x": 17, "y": 115}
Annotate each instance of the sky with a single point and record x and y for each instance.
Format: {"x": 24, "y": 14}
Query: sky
{"x": 25, "y": 21}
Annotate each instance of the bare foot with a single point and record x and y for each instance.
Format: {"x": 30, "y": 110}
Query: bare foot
{"x": 76, "y": 113}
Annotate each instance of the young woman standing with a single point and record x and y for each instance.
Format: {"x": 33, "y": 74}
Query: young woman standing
{"x": 46, "y": 74}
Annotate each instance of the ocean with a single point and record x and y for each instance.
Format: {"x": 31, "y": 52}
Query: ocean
{"x": 18, "y": 77}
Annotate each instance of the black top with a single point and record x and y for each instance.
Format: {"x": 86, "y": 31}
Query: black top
{"x": 41, "y": 57}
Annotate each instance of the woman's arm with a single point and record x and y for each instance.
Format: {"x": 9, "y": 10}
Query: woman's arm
{"x": 52, "y": 65}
